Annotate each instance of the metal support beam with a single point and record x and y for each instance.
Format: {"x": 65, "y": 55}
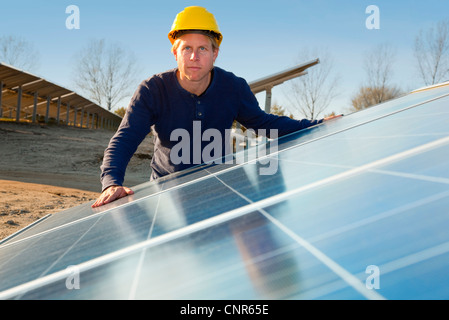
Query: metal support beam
{"x": 67, "y": 116}
{"x": 19, "y": 103}
{"x": 268, "y": 100}
{"x": 82, "y": 117}
{"x": 1, "y": 94}
{"x": 74, "y": 119}
{"x": 35, "y": 107}
{"x": 58, "y": 111}
{"x": 47, "y": 112}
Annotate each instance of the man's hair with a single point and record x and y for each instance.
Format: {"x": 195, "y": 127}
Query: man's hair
{"x": 210, "y": 35}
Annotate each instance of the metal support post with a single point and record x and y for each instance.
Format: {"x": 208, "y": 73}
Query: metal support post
{"x": 47, "y": 112}
{"x": 75, "y": 110}
{"x": 19, "y": 103}
{"x": 268, "y": 100}
{"x": 67, "y": 116}
{"x": 59, "y": 110}
{"x": 35, "y": 107}
{"x": 1, "y": 94}
{"x": 82, "y": 117}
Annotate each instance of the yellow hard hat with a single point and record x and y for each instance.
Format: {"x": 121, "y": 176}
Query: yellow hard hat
{"x": 195, "y": 18}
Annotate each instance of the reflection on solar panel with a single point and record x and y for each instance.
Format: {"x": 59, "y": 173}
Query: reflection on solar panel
{"x": 358, "y": 209}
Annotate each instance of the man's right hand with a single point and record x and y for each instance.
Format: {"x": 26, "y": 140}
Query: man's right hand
{"x": 112, "y": 193}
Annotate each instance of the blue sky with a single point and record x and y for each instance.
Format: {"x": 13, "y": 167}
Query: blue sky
{"x": 260, "y": 37}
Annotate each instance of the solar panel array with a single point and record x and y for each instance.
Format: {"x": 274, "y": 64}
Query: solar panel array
{"x": 357, "y": 209}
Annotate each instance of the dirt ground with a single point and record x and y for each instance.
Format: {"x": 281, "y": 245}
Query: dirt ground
{"x": 48, "y": 168}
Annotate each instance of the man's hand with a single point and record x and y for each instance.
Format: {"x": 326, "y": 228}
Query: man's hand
{"x": 112, "y": 193}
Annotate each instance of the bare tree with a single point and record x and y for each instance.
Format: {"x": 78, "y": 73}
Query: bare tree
{"x": 432, "y": 53}
{"x": 378, "y": 65}
{"x": 312, "y": 93}
{"x": 18, "y": 53}
{"x": 105, "y": 73}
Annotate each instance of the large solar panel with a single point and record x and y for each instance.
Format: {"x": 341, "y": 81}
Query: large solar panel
{"x": 357, "y": 209}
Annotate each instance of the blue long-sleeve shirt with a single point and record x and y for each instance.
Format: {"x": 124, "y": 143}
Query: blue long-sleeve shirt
{"x": 160, "y": 101}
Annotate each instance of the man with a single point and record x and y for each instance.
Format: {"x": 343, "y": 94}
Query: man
{"x": 195, "y": 94}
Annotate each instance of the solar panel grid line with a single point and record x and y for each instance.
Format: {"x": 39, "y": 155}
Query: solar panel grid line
{"x": 88, "y": 265}
{"x": 414, "y": 258}
{"x": 234, "y": 268}
{"x": 93, "y": 216}
{"x": 391, "y": 266}
{"x": 64, "y": 253}
{"x": 9, "y": 238}
{"x": 349, "y": 278}
{"x": 229, "y": 215}
{"x": 102, "y": 211}
{"x": 420, "y": 177}
{"x": 360, "y": 124}
{"x": 331, "y": 264}
{"x": 133, "y": 289}
{"x": 4, "y": 262}
{"x": 287, "y": 194}
{"x": 387, "y": 172}
{"x": 380, "y": 216}
{"x": 413, "y": 176}
{"x": 342, "y": 130}
{"x": 438, "y": 134}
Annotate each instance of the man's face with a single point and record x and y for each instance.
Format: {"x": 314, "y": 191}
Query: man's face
{"x": 195, "y": 57}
